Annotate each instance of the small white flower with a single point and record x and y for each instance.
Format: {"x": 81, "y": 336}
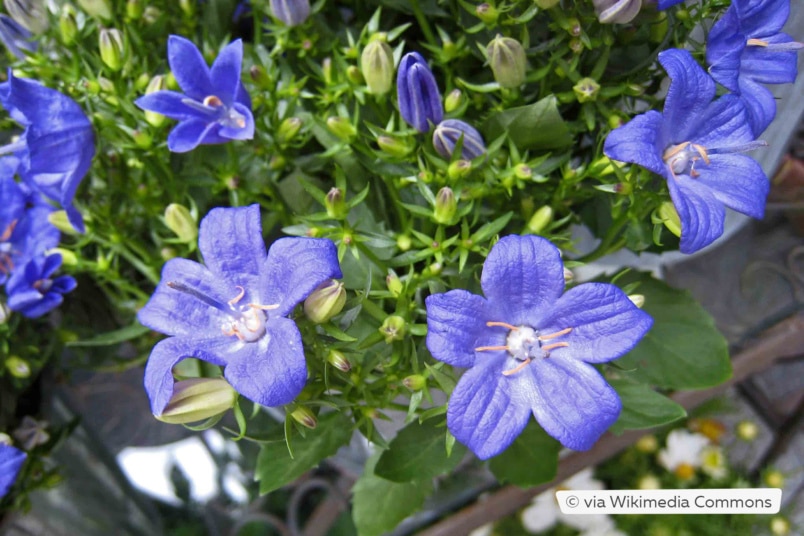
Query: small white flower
{"x": 544, "y": 511}
{"x": 683, "y": 453}
{"x": 713, "y": 462}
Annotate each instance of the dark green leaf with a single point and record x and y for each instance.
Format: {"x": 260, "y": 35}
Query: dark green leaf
{"x": 536, "y": 126}
{"x": 530, "y": 460}
{"x": 113, "y": 337}
{"x": 418, "y": 452}
{"x": 643, "y": 407}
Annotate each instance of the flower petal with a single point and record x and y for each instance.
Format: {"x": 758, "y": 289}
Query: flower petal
{"x": 246, "y": 132}
{"x": 189, "y": 134}
{"x": 724, "y": 48}
{"x": 271, "y": 371}
{"x": 231, "y": 243}
{"x": 225, "y": 72}
{"x": 637, "y": 142}
{"x": 738, "y": 182}
{"x": 522, "y": 277}
{"x": 167, "y": 353}
{"x": 759, "y": 103}
{"x": 189, "y": 68}
{"x": 170, "y": 104}
{"x": 455, "y": 320}
{"x": 761, "y": 18}
{"x": 723, "y": 124}
{"x": 294, "y": 268}
{"x": 605, "y": 323}
{"x": 701, "y": 214}
{"x": 11, "y": 461}
{"x": 570, "y": 399}
{"x": 691, "y": 91}
{"x": 770, "y": 66}
{"x": 482, "y": 413}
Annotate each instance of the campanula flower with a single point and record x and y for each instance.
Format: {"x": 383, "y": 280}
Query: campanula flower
{"x": 695, "y": 146}
{"x": 11, "y": 460}
{"x": 16, "y": 37}
{"x": 33, "y": 291}
{"x": 417, "y": 93}
{"x": 531, "y": 350}
{"x": 746, "y": 48}
{"x": 291, "y": 12}
{"x": 214, "y": 108}
{"x": 447, "y": 134}
{"x": 232, "y": 311}
{"x": 57, "y": 146}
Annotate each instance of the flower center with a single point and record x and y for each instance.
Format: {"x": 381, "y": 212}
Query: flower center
{"x": 43, "y": 285}
{"x": 214, "y": 106}
{"x": 524, "y": 344}
{"x": 681, "y": 158}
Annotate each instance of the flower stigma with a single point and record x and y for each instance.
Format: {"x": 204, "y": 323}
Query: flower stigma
{"x": 524, "y": 344}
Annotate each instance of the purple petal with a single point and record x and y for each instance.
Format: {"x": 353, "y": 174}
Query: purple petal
{"x": 570, "y": 400}
{"x": 664, "y": 4}
{"x": 759, "y": 103}
{"x": 294, "y": 268}
{"x": 167, "y": 353}
{"x": 225, "y": 72}
{"x": 64, "y": 284}
{"x": 724, "y": 48}
{"x": 522, "y": 277}
{"x": 637, "y": 142}
{"x": 455, "y": 320}
{"x": 11, "y": 461}
{"x": 246, "y": 132}
{"x": 271, "y": 371}
{"x": 417, "y": 93}
{"x": 762, "y": 18}
{"x": 770, "y": 66}
{"x": 170, "y": 104}
{"x": 691, "y": 91}
{"x": 13, "y": 206}
{"x": 701, "y": 214}
{"x": 738, "y": 182}
{"x": 724, "y": 124}
{"x": 483, "y": 413}
{"x": 189, "y": 134}
{"x": 189, "y": 68}
{"x": 231, "y": 243}
{"x": 605, "y": 323}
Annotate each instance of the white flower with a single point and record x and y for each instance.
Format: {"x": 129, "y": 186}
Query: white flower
{"x": 683, "y": 453}
{"x": 713, "y": 462}
{"x": 485, "y": 530}
{"x": 544, "y": 511}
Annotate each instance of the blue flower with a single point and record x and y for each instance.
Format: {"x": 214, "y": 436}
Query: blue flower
{"x": 33, "y": 291}
{"x": 233, "y": 310}
{"x": 214, "y": 108}
{"x": 57, "y": 146}
{"x": 447, "y": 134}
{"x": 746, "y": 49}
{"x": 11, "y": 461}
{"x": 15, "y": 37}
{"x": 291, "y": 12}
{"x": 417, "y": 93}
{"x": 530, "y": 349}
{"x": 694, "y": 146}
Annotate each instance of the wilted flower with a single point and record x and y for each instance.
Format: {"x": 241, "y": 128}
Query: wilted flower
{"x": 31, "y": 433}
{"x": 33, "y": 291}
{"x": 447, "y": 134}
{"x": 417, "y": 93}
{"x": 11, "y": 460}
{"x": 377, "y": 65}
{"x": 746, "y": 48}
{"x": 507, "y": 61}
{"x": 15, "y": 37}
{"x": 233, "y": 310}
{"x": 682, "y": 455}
{"x": 695, "y": 146}
{"x": 214, "y": 107}
{"x": 291, "y": 12}
{"x": 530, "y": 350}
{"x": 616, "y": 11}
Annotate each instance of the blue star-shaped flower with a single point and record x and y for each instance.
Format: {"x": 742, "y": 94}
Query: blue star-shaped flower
{"x": 11, "y": 460}
{"x": 233, "y": 310}
{"x": 33, "y": 291}
{"x": 746, "y": 48}
{"x": 530, "y": 350}
{"x": 694, "y": 145}
{"x": 214, "y": 108}
{"x": 56, "y": 149}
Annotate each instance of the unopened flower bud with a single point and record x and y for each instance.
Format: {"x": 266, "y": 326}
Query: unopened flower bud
{"x": 404, "y": 242}
{"x": 446, "y": 206}
{"x": 260, "y": 77}
{"x": 134, "y": 9}
{"x": 415, "y": 382}
{"x": 336, "y": 204}
{"x": 198, "y": 399}
{"x": 68, "y": 258}
{"x": 326, "y": 301}
{"x": 304, "y": 416}
{"x": 616, "y": 11}
{"x": 179, "y": 220}
{"x": 779, "y": 526}
{"x": 669, "y": 216}
{"x": 394, "y": 284}
{"x": 341, "y": 127}
{"x": 18, "y": 367}
{"x": 326, "y": 70}
{"x": 394, "y": 146}
{"x": 377, "y": 65}
{"x": 523, "y": 171}
{"x": 774, "y": 479}
{"x": 187, "y": 7}
{"x": 101, "y": 9}
{"x": 30, "y": 14}
{"x": 586, "y": 90}
{"x": 747, "y": 430}
{"x": 649, "y": 481}
{"x": 5, "y": 312}
{"x": 338, "y": 360}
{"x": 647, "y": 444}
{"x": 459, "y": 169}
{"x": 59, "y": 220}
{"x": 507, "y": 61}
{"x": 576, "y": 45}
{"x": 288, "y": 129}
{"x": 393, "y": 329}
{"x": 637, "y": 299}
{"x": 157, "y": 83}
{"x": 546, "y": 4}
{"x": 68, "y": 26}
{"x": 291, "y": 12}
{"x": 453, "y": 101}
{"x": 568, "y": 276}
{"x": 447, "y": 134}
{"x": 354, "y": 75}
{"x": 112, "y": 48}
{"x": 540, "y": 220}
{"x": 487, "y": 13}
{"x": 433, "y": 270}
{"x": 417, "y": 93}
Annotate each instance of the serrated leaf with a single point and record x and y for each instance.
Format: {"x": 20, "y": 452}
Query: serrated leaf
{"x": 275, "y": 467}
{"x": 530, "y": 460}
{"x": 535, "y": 126}
{"x": 643, "y": 407}
{"x": 418, "y": 452}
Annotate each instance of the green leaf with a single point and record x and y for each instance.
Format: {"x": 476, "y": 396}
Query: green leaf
{"x": 418, "y": 452}
{"x": 643, "y": 407}
{"x": 275, "y": 467}
{"x": 113, "y": 337}
{"x": 683, "y": 349}
{"x": 530, "y": 460}
{"x": 379, "y": 504}
{"x": 536, "y": 126}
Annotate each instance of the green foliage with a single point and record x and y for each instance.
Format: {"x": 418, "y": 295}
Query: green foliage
{"x": 643, "y": 407}
{"x": 532, "y": 458}
{"x": 418, "y": 452}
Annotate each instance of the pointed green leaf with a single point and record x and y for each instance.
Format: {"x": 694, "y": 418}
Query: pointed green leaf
{"x": 535, "y": 126}
{"x": 643, "y": 407}
{"x": 418, "y": 452}
{"x": 530, "y": 460}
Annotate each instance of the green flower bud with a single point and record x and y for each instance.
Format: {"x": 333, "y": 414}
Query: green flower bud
{"x": 134, "y": 9}
{"x": 377, "y": 64}
{"x": 167, "y": 253}
{"x": 586, "y": 90}
{"x": 68, "y": 26}
{"x": 179, "y": 220}
{"x": 288, "y": 129}
{"x": 336, "y": 204}
{"x": 59, "y": 220}
{"x": 260, "y": 77}
{"x": 142, "y": 139}
{"x": 304, "y": 416}
{"x": 568, "y": 276}
{"x": 393, "y": 328}
{"x": 487, "y": 13}
{"x": 112, "y": 48}
{"x": 415, "y": 382}
{"x": 342, "y": 127}
{"x": 574, "y": 27}
{"x": 647, "y": 444}
{"x": 142, "y": 82}
{"x": 779, "y": 526}
{"x": 459, "y": 169}
{"x": 198, "y": 399}
{"x": 5, "y": 312}
{"x": 774, "y": 479}
{"x": 669, "y": 216}
{"x": 747, "y": 430}
{"x": 101, "y": 9}
{"x": 434, "y": 269}
{"x": 453, "y": 101}
{"x": 188, "y": 7}
{"x": 507, "y": 60}
{"x": 31, "y": 14}
{"x": 446, "y": 206}
{"x": 326, "y": 70}
{"x": 18, "y": 367}
{"x": 637, "y": 299}
{"x": 540, "y": 220}
{"x": 151, "y": 15}
{"x": 576, "y": 45}
{"x": 325, "y": 302}
{"x": 394, "y": 284}
{"x": 68, "y": 258}
{"x": 157, "y": 83}
{"x": 546, "y": 4}
{"x": 394, "y": 146}
{"x": 404, "y": 242}
{"x": 354, "y": 75}
{"x": 523, "y": 171}
{"x": 338, "y": 360}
